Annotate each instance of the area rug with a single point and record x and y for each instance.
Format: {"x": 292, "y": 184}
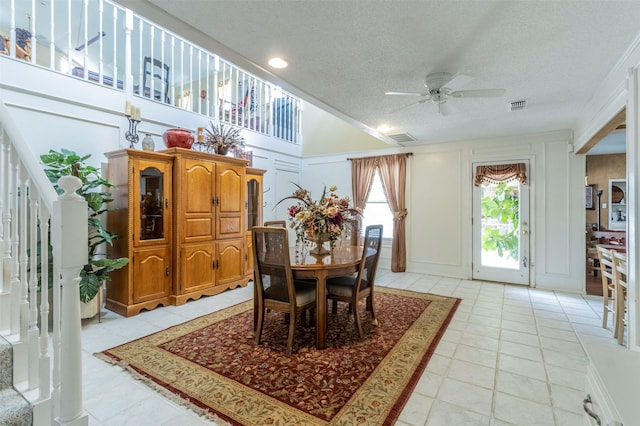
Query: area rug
{"x": 212, "y": 364}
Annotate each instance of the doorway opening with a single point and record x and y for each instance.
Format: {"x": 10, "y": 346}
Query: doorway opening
{"x": 605, "y": 179}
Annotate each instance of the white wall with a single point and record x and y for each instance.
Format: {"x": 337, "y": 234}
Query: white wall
{"x": 439, "y": 200}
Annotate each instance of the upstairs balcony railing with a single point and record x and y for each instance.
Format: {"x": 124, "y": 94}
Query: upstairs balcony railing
{"x": 104, "y": 43}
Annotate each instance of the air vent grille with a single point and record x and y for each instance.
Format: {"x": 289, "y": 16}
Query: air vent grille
{"x": 402, "y": 137}
{"x": 518, "y": 105}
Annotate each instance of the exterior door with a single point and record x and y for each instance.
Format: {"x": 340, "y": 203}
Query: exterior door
{"x": 501, "y": 231}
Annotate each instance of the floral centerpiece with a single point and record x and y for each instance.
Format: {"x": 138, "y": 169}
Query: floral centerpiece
{"x": 220, "y": 139}
{"x": 319, "y": 220}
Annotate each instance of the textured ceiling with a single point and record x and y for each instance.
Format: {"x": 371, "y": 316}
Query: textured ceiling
{"x": 344, "y": 55}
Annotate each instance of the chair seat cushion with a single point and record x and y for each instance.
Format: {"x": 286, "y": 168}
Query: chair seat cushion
{"x": 343, "y": 286}
{"x": 305, "y": 292}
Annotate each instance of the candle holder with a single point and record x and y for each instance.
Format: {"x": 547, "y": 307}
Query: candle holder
{"x": 132, "y": 134}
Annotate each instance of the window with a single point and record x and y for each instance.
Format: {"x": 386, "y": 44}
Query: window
{"x": 376, "y": 210}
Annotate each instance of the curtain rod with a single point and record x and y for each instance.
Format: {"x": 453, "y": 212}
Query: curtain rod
{"x": 408, "y": 154}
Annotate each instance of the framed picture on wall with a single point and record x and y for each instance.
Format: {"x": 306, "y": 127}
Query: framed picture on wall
{"x": 589, "y": 197}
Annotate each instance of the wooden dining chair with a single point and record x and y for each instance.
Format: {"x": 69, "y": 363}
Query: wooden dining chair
{"x": 280, "y": 223}
{"x": 352, "y": 232}
{"x": 352, "y": 289}
{"x": 605, "y": 259}
{"x": 275, "y": 287}
{"x": 620, "y": 284}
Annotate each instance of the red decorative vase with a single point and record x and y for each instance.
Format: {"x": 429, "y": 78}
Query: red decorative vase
{"x": 178, "y": 138}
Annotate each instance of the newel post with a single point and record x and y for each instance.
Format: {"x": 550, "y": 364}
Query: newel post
{"x": 69, "y": 228}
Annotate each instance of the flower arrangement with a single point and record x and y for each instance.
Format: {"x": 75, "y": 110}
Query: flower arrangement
{"x": 220, "y": 138}
{"x": 326, "y": 215}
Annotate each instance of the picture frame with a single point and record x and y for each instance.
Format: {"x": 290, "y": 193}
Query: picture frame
{"x": 589, "y": 197}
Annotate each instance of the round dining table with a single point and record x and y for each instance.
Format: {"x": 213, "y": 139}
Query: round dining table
{"x": 342, "y": 260}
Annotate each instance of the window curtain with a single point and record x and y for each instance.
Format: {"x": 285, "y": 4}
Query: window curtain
{"x": 498, "y": 173}
{"x": 393, "y": 174}
{"x": 362, "y": 172}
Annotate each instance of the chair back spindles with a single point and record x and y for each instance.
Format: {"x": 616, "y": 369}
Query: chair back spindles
{"x": 620, "y": 288}
{"x": 608, "y": 289}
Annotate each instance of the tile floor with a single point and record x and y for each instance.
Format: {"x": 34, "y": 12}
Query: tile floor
{"x": 511, "y": 356}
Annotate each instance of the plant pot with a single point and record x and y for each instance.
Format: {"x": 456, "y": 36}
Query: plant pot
{"x": 223, "y": 150}
{"x": 178, "y": 138}
{"x": 92, "y": 307}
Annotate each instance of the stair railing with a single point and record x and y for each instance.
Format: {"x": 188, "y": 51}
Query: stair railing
{"x": 50, "y": 378}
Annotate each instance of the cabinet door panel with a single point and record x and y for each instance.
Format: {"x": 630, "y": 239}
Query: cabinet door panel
{"x": 151, "y": 274}
{"x": 196, "y": 201}
{"x": 230, "y": 260}
{"x": 230, "y": 225}
{"x": 198, "y": 228}
{"x": 196, "y": 267}
{"x": 231, "y": 195}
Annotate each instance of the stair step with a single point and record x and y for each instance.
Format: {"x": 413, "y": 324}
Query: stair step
{"x": 6, "y": 364}
{"x": 16, "y": 411}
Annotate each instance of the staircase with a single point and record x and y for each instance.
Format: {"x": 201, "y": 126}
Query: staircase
{"x": 16, "y": 410}
{"x": 40, "y": 372}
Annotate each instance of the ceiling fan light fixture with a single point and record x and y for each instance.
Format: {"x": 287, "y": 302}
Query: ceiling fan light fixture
{"x": 444, "y": 108}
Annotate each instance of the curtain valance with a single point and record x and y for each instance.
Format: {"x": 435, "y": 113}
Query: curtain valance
{"x": 498, "y": 173}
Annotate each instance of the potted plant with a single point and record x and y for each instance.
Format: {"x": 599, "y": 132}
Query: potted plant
{"x": 95, "y": 191}
{"x": 220, "y": 139}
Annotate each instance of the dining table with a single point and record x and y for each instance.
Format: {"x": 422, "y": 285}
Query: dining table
{"x": 341, "y": 260}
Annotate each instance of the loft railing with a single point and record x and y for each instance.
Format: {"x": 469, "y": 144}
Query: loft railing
{"x": 47, "y": 367}
{"x": 85, "y": 39}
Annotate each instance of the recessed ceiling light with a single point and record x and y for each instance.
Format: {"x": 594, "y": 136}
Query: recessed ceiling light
{"x": 278, "y": 62}
{"x": 384, "y": 128}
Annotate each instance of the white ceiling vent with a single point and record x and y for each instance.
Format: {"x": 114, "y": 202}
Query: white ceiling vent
{"x": 402, "y": 137}
{"x": 518, "y": 105}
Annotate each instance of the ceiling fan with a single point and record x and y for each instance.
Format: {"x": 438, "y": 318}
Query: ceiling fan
{"x": 440, "y": 86}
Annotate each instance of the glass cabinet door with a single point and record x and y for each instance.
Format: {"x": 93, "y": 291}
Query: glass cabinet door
{"x": 254, "y": 207}
{"x": 151, "y": 198}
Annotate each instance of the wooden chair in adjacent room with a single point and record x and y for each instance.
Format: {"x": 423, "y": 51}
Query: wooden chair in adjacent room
{"x": 275, "y": 287}
{"x": 608, "y": 288}
{"x": 620, "y": 284}
{"x": 352, "y": 289}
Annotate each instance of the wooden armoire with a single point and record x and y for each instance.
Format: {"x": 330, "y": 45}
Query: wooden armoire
{"x": 182, "y": 217}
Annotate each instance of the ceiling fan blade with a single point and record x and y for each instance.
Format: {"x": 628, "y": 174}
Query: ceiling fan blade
{"x": 407, "y": 94}
{"x": 481, "y": 93}
{"x": 459, "y": 80}
{"x": 421, "y": 101}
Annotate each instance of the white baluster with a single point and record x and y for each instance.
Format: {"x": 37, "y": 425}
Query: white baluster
{"x": 4, "y": 190}
{"x": 24, "y": 259}
{"x": 100, "y": 45}
{"x": 33, "y": 290}
{"x": 44, "y": 361}
{"x": 15, "y": 264}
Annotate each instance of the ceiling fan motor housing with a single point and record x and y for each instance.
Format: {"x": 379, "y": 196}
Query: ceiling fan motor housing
{"x": 437, "y": 80}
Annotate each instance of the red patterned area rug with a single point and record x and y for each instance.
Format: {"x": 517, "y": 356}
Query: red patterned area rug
{"x": 212, "y": 365}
